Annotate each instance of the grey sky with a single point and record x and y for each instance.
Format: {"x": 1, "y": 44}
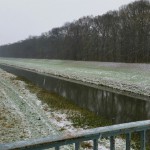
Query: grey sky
{"x": 21, "y": 18}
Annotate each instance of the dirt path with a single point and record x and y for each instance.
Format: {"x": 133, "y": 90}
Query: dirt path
{"x": 21, "y": 112}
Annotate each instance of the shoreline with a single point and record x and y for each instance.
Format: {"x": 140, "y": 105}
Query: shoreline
{"x": 114, "y": 87}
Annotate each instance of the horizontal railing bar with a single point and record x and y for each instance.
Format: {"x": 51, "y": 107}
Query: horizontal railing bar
{"x": 46, "y": 143}
{"x": 83, "y": 135}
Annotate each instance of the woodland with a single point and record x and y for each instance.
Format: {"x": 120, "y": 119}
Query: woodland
{"x": 116, "y": 36}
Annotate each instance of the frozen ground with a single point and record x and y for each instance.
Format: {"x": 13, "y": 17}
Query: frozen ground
{"x": 24, "y": 116}
{"x": 123, "y": 76}
{"x": 20, "y": 112}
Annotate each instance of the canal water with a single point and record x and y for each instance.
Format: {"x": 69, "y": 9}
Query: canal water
{"x": 112, "y": 106}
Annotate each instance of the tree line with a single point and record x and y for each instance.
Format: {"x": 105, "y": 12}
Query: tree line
{"x": 117, "y": 36}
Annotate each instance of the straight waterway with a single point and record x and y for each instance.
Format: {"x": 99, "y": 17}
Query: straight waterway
{"x": 113, "y": 106}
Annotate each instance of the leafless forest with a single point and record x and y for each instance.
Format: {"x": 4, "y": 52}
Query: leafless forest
{"x": 117, "y": 36}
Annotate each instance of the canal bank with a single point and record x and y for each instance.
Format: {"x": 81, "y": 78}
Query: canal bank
{"x": 120, "y": 77}
{"x": 113, "y": 106}
{"x": 24, "y": 116}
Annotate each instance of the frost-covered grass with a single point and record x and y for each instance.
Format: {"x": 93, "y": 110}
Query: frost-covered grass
{"x": 25, "y": 114}
{"x": 21, "y": 113}
{"x": 70, "y": 118}
{"x": 80, "y": 117}
{"x": 123, "y": 76}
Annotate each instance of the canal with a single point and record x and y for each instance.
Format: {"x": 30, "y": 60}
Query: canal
{"x": 112, "y": 105}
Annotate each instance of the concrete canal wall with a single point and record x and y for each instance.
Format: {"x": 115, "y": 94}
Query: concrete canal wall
{"x": 111, "y": 105}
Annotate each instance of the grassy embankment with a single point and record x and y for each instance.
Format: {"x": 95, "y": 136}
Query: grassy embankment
{"x": 134, "y": 78}
{"x": 81, "y": 118}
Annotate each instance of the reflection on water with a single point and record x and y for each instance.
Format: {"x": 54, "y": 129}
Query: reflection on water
{"x": 110, "y": 105}
{"x": 118, "y": 107}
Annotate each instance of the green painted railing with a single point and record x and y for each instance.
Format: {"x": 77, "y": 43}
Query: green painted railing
{"x": 93, "y": 134}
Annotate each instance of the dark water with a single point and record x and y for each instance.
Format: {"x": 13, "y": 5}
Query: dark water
{"x": 110, "y": 105}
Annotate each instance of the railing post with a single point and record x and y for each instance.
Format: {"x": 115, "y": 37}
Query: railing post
{"x": 77, "y": 145}
{"x": 128, "y": 141}
{"x": 57, "y": 148}
{"x": 95, "y": 141}
{"x": 143, "y": 140}
{"x": 112, "y": 143}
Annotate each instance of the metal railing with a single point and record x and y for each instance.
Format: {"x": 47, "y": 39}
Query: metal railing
{"x": 92, "y": 134}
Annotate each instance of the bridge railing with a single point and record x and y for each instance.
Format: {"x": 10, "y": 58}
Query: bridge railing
{"x": 92, "y": 134}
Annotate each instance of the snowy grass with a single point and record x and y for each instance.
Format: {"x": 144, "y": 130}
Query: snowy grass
{"x": 23, "y": 115}
{"x": 70, "y": 118}
{"x": 80, "y": 117}
{"x": 122, "y": 76}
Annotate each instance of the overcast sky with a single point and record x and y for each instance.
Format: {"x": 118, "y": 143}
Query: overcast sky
{"x": 21, "y": 18}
